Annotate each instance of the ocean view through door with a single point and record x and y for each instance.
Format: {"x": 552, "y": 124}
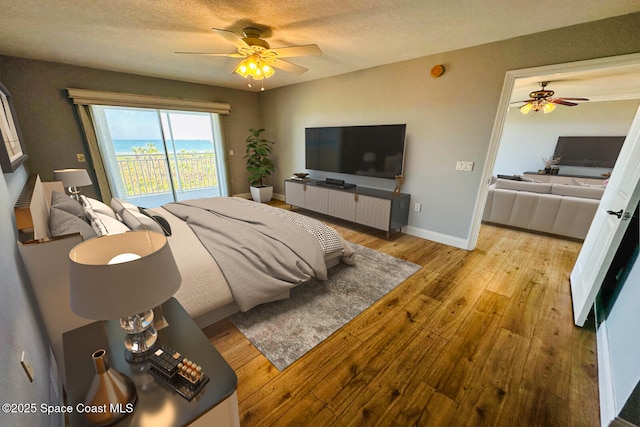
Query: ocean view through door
{"x": 152, "y": 157}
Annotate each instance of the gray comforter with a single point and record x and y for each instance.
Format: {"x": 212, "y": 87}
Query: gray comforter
{"x": 260, "y": 253}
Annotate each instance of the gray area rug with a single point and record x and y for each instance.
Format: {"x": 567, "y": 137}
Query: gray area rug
{"x": 285, "y": 330}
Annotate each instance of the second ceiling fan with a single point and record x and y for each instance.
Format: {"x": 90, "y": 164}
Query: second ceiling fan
{"x": 259, "y": 60}
{"x": 543, "y": 100}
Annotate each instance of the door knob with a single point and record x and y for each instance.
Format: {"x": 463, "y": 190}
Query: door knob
{"x": 618, "y": 214}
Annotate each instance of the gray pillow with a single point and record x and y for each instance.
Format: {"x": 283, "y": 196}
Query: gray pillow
{"x": 62, "y": 222}
{"x": 63, "y": 202}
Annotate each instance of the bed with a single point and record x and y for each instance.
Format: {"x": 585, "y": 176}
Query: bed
{"x": 50, "y": 224}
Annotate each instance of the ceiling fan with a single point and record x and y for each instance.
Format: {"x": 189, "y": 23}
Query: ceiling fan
{"x": 542, "y": 100}
{"x": 259, "y": 60}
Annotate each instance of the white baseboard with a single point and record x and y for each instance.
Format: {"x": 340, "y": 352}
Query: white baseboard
{"x": 276, "y": 196}
{"x": 439, "y": 237}
{"x": 605, "y": 377}
{"x": 242, "y": 195}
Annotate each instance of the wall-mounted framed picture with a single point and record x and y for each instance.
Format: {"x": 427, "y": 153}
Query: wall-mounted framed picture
{"x": 12, "y": 151}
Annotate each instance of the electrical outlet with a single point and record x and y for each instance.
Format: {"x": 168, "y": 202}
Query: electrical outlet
{"x": 27, "y": 368}
{"x": 230, "y": 153}
{"x": 80, "y": 158}
{"x": 417, "y": 207}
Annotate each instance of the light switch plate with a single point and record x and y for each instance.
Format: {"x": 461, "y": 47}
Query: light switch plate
{"x": 464, "y": 166}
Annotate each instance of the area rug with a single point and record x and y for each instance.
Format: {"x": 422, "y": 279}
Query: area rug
{"x": 285, "y": 330}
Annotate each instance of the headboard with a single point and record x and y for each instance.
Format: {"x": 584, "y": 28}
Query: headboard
{"x": 46, "y": 260}
{"x": 32, "y": 208}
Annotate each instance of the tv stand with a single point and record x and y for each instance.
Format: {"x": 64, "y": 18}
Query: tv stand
{"x": 380, "y": 209}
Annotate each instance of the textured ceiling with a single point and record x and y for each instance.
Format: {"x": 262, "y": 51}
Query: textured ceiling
{"x": 141, "y": 36}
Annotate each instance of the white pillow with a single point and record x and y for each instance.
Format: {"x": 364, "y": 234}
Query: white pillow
{"x": 138, "y": 221}
{"x": 112, "y": 225}
{"x": 104, "y": 224}
{"x": 96, "y": 206}
{"x": 120, "y": 205}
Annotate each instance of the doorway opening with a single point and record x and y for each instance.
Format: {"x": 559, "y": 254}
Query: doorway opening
{"x": 517, "y": 85}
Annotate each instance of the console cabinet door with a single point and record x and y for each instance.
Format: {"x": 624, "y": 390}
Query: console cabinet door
{"x": 342, "y": 205}
{"x": 373, "y": 212}
{"x": 315, "y": 198}
{"x": 294, "y": 193}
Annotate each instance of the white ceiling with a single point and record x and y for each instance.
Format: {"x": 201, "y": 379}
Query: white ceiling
{"x": 141, "y": 36}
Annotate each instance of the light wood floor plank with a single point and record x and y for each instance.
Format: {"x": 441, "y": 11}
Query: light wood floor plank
{"x": 583, "y": 396}
{"x": 494, "y": 383}
{"x": 549, "y": 364}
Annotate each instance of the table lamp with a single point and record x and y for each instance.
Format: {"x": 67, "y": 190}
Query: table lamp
{"x": 72, "y": 179}
{"x": 124, "y": 276}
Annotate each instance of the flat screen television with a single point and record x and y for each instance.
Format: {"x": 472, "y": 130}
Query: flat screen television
{"x": 375, "y": 150}
{"x": 588, "y": 151}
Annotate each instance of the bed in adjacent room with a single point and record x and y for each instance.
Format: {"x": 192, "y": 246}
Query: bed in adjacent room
{"x": 233, "y": 254}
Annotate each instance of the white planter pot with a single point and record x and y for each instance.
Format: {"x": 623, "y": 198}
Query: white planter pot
{"x": 262, "y": 194}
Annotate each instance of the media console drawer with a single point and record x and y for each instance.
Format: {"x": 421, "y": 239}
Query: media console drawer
{"x": 380, "y": 209}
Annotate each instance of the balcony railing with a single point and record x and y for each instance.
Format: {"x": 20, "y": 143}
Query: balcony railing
{"x": 145, "y": 174}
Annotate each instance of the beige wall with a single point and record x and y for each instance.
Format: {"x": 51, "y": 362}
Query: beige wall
{"x": 53, "y": 135}
{"x": 448, "y": 119}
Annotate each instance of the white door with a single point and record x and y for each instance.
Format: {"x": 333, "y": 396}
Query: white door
{"x": 609, "y": 224}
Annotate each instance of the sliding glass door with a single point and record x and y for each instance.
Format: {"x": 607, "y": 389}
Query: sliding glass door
{"x": 153, "y": 157}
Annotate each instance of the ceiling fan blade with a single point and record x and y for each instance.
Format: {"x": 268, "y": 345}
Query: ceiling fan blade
{"x": 289, "y": 67}
{"x": 574, "y": 99}
{"x": 304, "y": 50}
{"x": 563, "y": 102}
{"x": 524, "y": 100}
{"x": 231, "y": 37}
{"x": 230, "y": 55}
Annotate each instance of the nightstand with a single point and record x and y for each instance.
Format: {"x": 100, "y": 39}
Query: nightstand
{"x": 157, "y": 405}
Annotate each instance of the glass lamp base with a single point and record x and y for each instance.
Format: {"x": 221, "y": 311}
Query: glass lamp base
{"x": 141, "y": 336}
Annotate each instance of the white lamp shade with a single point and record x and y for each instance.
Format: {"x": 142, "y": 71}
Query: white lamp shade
{"x": 72, "y": 177}
{"x": 103, "y": 291}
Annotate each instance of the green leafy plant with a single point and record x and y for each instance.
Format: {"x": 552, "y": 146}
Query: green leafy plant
{"x": 258, "y": 154}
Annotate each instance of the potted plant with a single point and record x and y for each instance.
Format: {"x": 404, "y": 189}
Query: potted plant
{"x": 259, "y": 165}
{"x": 549, "y": 163}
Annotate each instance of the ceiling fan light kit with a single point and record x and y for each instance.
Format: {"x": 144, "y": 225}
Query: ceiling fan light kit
{"x": 256, "y": 68}
{"x": 541, "y": 100}
{"x": 536, "y": 106}
{"x": 259, "y": 59}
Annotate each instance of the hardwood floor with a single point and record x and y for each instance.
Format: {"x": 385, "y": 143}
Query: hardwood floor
{"x": 480, "y": 338}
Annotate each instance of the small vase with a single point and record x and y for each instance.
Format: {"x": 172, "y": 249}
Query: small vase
{"x": 112, "y": 393}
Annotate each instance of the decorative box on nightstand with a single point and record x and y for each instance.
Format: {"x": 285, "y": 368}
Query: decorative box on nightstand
{"x": 158, "y": 405}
